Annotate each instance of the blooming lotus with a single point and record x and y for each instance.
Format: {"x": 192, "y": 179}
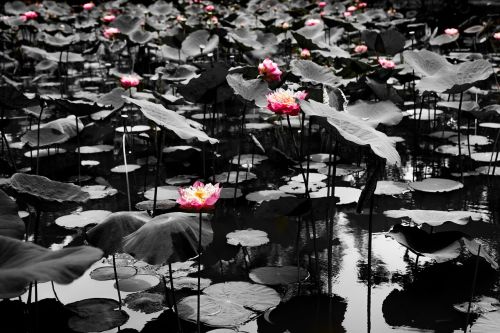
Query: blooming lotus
{"x": 362, "y": 5}
{"x": 88, "y": 6}
{"x": 387, "y": 64}
{"x": 214, "y": 20}
{"x": 285, "y": 102}
{"x": 129, "y": 81}
{"x": 269, "y": 70}
{"x": 111, "y": 32}
{"x": 352, "y": 8}
{"x": 108, "y": 18}
{"x": 347, "y": 14}
{"x": 496, "y": 35}
{"x": 199, "y": 196}
{"x": 285, "y": 26}
{"x": 312, "y": 22}
{"x": 209, "y": 8}
{"x": 322, "y": 4}
{"x": 451, "y": 31}
{"x": 31, "y": 15}
{"x": 360, "y": 49}
{"x": 305, "y": 54}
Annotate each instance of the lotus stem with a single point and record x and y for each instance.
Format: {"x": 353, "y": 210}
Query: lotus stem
{"x": 239, "y": 148}
{"x": 116, "y": 282}
{"x": 38, "y": 138}
{"x": 299, "y": 157}
{"x": 54, "y": 291}
{"x": 126, "y": 171}
{"x": 157, "y": 176}
{"x": 172, "y": 290}
{"x": 332, "y": 171}
{"x": 297, "y": 242}
{"x": 459, "y": 141}
{"x": 473, "y": 288}
{"x": 78, "y": 148}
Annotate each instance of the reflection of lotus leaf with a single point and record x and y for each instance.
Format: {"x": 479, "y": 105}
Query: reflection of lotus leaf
{"x": 106, "y": 273}
{"x": 386, "y": 187}
{"x": 248, "y": 238}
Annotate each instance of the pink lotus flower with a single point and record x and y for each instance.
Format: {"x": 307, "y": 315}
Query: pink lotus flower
{"x": 305, "y": 54}
{"x": 199, "y": 196}
{"x": 451, "y": 31}
{"x": 108, "y": 18}
{"x": 362, "y": 5}
{"x": 347, "y": 14}
{"x": 214, "y": 20}
{"x": 360, "y": 49}
{"x": 387, "y": 64}
{"x": 110, "y": 32}
{"x": 209, "y": 8}
{"x": 312, "y": 22}
{"x": 31, "y": 15}
{"x": 129, "y": 81}
{"x": 269, "y": 70}
{"x": 496, "y": 35}
{"x": 352, "y": 8}
{"x": 180, "y": 18}
{"x": 88, "y": 6}
{"x": 285, "y": 26}
{"x": 322, "y": 4}
{"x": 285, "y": 101}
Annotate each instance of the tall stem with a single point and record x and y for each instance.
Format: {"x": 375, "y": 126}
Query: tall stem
{"x": 459, "y": 141}
{"x": 198, "y": 305}
{"x": 126, "y": 170}
{"x": 157, "y": 176}
{"x": 173, "y": 296}
{"x": 116, "y": 282}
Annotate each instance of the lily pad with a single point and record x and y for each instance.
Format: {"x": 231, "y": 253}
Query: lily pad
{"x": 138, "y": 282}
{"x": 163, "y": 193}
{"x": 145, "y": 302}
{"x": 436, "y": 217}
{"x": 82, "y": 219}
{"x": 247, "y": 238}
{"x": 266, "y": 195}
{"x": 436, "y": 185}
{"x": 278, "y": 275}
{"x": 107, "y": 273}
{"x": 385, "y": 187}
{"x": 95, "y": 315}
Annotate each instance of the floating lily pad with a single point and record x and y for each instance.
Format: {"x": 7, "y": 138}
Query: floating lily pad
{"x": 243, "y": 176}
{"x": 44, "y": 152}
{"x": 95, "y": 149}
{"x": 436, "y": 217}
{"x": 294, "y": 187}
{"x": 95, "y": 315}
{"x": 125, "y": 168}
{"x": 482, "y": 305}
{"x": 99, "y": 191}
{"x": 247, "y": 238}
{"x": 266, "y": 195}
{"x": 473, "y": 140}
{"x": 485, "y": 157}
{"x": 145, "y": 302}
{"x": 186, "y": 282}
{"x": 453, "y": 150}
{"x": 342, "y": 170}
{"x": 139, "y": 282}
{"x": 180, "y": 179}
{"x": 180, "y": 269}
{"x": 160, "y": 205}
{"x": 106, "y": 273}
{"x": 82, "y": 219}
{"x": 277, "y": 275}
{"x": 163, "y": 193}
{"x": 347, "y": 195}
{"x": 249, "y": 159}
{"x": 436, "y": 185}
{"x": 228, "y": 193}
{"x": 385, "y": 187}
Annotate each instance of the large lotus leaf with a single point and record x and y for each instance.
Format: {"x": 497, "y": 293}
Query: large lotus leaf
{"x": 22, "y": 263}
{"x": 309, "y": 71}
{"x": 251, "y": 90}
{"x": 425, "y": 62}
{"x": 65, "y": 125}
{"x": 384, "y": 91}
{"x": 440, "y": 246}
{"x": 456, "y": 78}
{"x": 210, "y": 86}
{"x": 436, "y": 185}
{"x": 213, "y": 312}
{"x": 95, "y": 315}
{"x": 141, "y": 36}
{"x": 40, "y": 54}
{"x": 169, "y": 237}
{"x": 182, "y": 73}
{"x": 185, "y": 128}
{"x": 59, "y": 40}
{"x": 310, "y": 43}
{"x": 172, "y": 53}
{"x": 435, "y": 217}
{"x": 11, "y": 224}
{"x": 389, "y": 187}
{"x": 46, "y": 194}
{"x": 114, "y": 98}
{"x": 387, "y": 42}
{"x": 353, "y": 131}
{"x": 376, "y": 113}
{"x": 333, "y": 52}
{"x": 15, "y": 7}
{"x": 193, "y": 44}
{"x": 12, "y": 98}
{"x": 108, "y": 235}
{"x": 251, "y": 296}
{"x": 79, "y": 107}
{"x": 277, "y": 275}
{"x": 44, "y": 137}
{"x": 127, "y": 23}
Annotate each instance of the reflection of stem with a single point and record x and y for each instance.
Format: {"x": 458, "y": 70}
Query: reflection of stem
{"x": 38, "y": 138}
{"x": 173, "y": 296}
{"x": 126, "y": 171}
{"x": 370, "y": 232}
{"x": 116, "y": 282}
{"x": 239, "y": 148}
{"x": 198, "y": 324}
{"x": 474, "y": 279}
{"x": 299, "y": 157}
